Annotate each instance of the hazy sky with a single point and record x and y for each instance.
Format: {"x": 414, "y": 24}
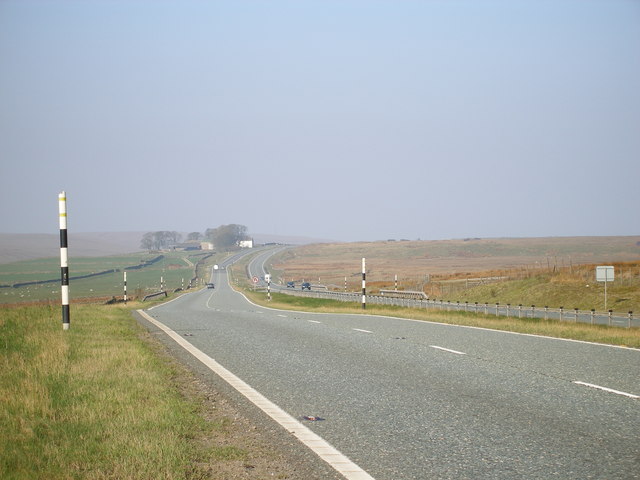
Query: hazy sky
{"x": 347, "y": 120}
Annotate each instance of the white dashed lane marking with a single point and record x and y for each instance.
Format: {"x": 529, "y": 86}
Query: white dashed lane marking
{"x": 447, "y": 350}
{"x": 609, "y": 390}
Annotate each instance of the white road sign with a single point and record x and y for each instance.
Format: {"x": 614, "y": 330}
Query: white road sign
{"x": 604, "y": 274}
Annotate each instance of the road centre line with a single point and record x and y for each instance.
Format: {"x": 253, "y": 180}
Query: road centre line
{"x": 360, "y": 330}
{"x": 313, "y": 441}
{"x": 447, "y": 350}
{"x": 609, "y": 390}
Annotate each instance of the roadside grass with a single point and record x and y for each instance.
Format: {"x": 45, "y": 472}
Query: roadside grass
{"x": 627, "y": 337}
{"x": 94, "y": 402}
{"x": 558, "y": 291}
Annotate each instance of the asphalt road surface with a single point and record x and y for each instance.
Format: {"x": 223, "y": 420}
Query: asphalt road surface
{"x": 417, "y": 400}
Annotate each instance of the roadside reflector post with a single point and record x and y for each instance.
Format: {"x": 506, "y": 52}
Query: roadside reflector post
{"x": 64, "y": 260}
{"x": 364, "y": 284}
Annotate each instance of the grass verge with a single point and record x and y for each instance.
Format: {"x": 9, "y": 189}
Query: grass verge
{"x": 92, "y": 402}
{"x": 104, "y": 401}
{"x": 627, "y": 337}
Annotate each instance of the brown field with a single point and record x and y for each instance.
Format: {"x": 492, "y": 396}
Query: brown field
{"x": 417, "y": 263}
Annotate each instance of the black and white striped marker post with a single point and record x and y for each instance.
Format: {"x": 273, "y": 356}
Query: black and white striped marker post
{"x": 64, "y": 260}
{"x": 364, "y": 285}
{"x": 125, "y": 288}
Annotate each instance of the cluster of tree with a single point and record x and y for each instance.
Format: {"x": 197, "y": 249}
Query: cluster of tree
{"x": 226, "y": 237}
{"x": 159, "y": 240}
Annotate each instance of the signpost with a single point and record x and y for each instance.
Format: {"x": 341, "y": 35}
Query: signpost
{"x": 605, "y": 274}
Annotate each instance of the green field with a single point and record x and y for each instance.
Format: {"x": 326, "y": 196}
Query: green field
{"x": 175, "y": 269}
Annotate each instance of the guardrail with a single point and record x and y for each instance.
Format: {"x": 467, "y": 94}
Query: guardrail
{"x": 507, "y": 310}
{"x": 404, "y": 294}
{"x": 151, "y": 295}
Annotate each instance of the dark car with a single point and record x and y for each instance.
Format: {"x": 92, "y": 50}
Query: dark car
{"x": 306, "y": 285}
{"x": 291, "y": 285}
{"x": 210, "y": 285}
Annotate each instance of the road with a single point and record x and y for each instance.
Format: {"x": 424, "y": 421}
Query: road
{"x": 416, "y": 400}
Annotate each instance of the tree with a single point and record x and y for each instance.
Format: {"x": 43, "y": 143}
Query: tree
{"x": 226, "y": 237}
{"x": 159, "y": 240}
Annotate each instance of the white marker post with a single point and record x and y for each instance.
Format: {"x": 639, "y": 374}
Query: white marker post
{"x": 364, "y": 285}
{"x": 64, "y": 260}
{"x": 267, "y": 277}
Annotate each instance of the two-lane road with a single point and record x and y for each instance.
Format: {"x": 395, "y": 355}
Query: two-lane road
{"x": 416, "y": 400}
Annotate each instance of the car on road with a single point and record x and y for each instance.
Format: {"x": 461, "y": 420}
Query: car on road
{"x": 306, "y": 285}
{"x": 291, "y": 285}
{"x": 210, "y": 285}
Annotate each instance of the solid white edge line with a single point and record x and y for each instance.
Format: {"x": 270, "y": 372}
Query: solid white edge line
{"x": 447, "y": 350}
{"x": 313, "y": 441}
{"x": 610, "y": 390}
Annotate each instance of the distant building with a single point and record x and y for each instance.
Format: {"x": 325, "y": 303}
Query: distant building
{"x": 246, "y": 243}
{"x": 206, "y": 245}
